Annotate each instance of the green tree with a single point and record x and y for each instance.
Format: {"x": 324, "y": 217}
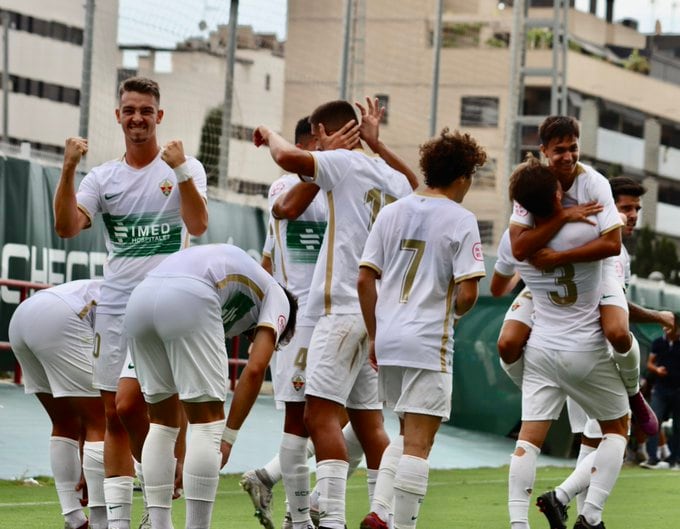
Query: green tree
{"x": 209, "y": 147}
{"x": 637, "y": 63}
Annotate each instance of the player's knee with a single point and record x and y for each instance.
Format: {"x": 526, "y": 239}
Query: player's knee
{"x": 509, "y": 349}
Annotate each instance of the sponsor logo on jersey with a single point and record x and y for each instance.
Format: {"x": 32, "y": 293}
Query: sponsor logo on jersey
{"x": 298, "y": 382}
{"x": 166, "y": 187}
{"x": 519, "y": 210}
{"x": 477, "y": 252}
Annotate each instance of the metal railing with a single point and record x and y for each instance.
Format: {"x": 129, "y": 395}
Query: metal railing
{"x": 25, "y": 287}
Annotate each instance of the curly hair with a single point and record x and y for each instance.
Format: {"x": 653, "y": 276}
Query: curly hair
{"x": 533, "y": 186}
{"x": 450, "y": 156}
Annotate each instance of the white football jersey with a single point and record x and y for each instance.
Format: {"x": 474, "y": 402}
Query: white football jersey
{"x": 587, "y": 186}
{"x": 81, "y": 296}
{"x": 293, "y": 245}
{"x": 248, "y": 295}
{"x": 356, "y": 188}
{"x": 566, "y": 299}
{"x": 140, "y": 209}
{"x": 421, "y": 246}
{"x": 619, "y": 267}
{"x": 505, "y": 261}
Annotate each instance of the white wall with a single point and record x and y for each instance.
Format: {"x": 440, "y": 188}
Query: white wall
{"x": 620, "y": 148}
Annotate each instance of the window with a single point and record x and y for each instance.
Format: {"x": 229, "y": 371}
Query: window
{"x": 485, "y": 178}
{"x": 537, "y": 101}
{"x": 384, "y": 102}
{"x": 485, "y": 231}
{"x": 46, "y": 28}
{"x": 479, "y": 112}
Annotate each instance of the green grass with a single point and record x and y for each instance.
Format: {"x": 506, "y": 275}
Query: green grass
{"x": 470, "y": 499}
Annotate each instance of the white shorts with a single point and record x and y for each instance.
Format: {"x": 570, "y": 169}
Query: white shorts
{"x": 613, "y": 293}
{"x": 589, "y": 377}
{"x": 110, "y": 350}
{"x": 337, "y": 363}
{"x": 413, "y": 390}
{"x": 291, "y": 367}
{"x": 580, "y": 422}
{"x": 522, "y": 309}
{"x": 53, "y": 346}
{"x": 177, "y": 340}
{"x": 129, "y": 366}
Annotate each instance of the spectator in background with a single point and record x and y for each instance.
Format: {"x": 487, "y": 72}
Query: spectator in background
{"x": 664, "y": 365}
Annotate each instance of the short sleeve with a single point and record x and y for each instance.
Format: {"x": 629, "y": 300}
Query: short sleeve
{"x": 198, "y": 174}
{"x": 505, "y": 262}
{"x": 88, "y": 197}
{"x": 374, "y": 251}
{"x": 468, "y": 260}
{"x": 600, "y": 191}
{"x": 278, "y": 188}
{"x": 521, "y": 216}
{"x": 275, "y": 311}
{"x": 269, "y": 240}
{"x": 331, "y": 167}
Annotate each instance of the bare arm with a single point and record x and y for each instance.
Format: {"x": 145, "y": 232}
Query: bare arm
{"x": 370, "y": 122}
{"x": 466, "y": 295}
{"x": 606, "y": 245}
{"x": 68, "y": 219}
{"x": 293, "y": 203}
{"x": 287, "y": 156}
{"x": 502, "y": 285}
{"x": 368, "y": 297}
{"x": 192, "y": 205}
{"x": 526, "y": 241}
{"x": 665, "y": 318}
{"x": 266, "y": 263}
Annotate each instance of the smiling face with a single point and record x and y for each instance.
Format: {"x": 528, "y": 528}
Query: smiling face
{"x": 138, "y": 115}
{"x": 629, "y": 206}
{"x": 562, "y": 155}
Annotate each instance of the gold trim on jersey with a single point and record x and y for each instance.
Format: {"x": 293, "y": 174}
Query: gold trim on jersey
{"x": 612, "y": 228}
{"x": 277, "y": 234}
{"x": 266, "y": 254}
{"x": 515, "y": 223}
{"x": 469, "y": 276}
{"x": 86, "y": 213}
{"x": 86, "y": 309}
{"x": 371, "y": 266}
{"x": 503, "y": 275}
{"x": 329, "y": 253}
{"x": 448, "y": 325}
{"x": 245, "y": 281}
{"x": 268, "y": 325}
{"x": 187, "y": 240}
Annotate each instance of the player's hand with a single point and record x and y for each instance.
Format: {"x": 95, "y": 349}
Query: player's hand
{"x": 371, "y": 115}
{"x": 372, "y": 359}
{"x": 261, "y": 136}
{"x": 344, "y": 138}
{"x": 178, "y": 490}
{"x": 581, "y": 212}
{"x": 661, "y": 371}
{"x": 545, "y": 258}
{"x": 172, "y": 153}
{"x": 668, "y": 323}
{"x": 225, "y": 449}
{"x": 82, "y": 486}
{"x": 74, "y": 149}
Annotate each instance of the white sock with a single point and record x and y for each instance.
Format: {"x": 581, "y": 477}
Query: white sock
{"x": 384, "y": 487}
{"x": 663, "y": 452}
{"x": 629, "y": 367}
{"x": 371, "y": 480}
{"x": 140, "y": 477}
{"x": 579, "y": 480}
{"x": 410, "y": 486}
{"x": 515, "y": 370}
{"x": 65, "y": 464}
{"x": 273, "y": 470}
{"x": 293, "y": 457}
{"x": 118, "y": 494}
{"x": 158, "y": 455}
{"x": 355, "y": 451}
{"x": 201, "y": 472}
{"x": 606, "y": 468}
{"x": 311, "y": 452}
{"x": 521, "y": 483}
{"x": 331, "y": 481}
{"x": 93, "y": 470}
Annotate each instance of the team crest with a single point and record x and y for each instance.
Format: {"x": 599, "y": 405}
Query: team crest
{"x": 166, "y": 187}
{"x": 515, "y": 306}
{"x": 298, "y": 382}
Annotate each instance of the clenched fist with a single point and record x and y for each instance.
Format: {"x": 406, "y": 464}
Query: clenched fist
{"x": 74, "y": 149}
{"x": 172, "y": 153}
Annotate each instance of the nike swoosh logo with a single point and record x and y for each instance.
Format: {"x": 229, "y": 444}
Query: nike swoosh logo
{"x": 414, "y": 517}
{"x": 111, "y": 507}
{"x": 609, "y": 296}
{"x": 304, "y": 509}
{"x": 131, "y": 365}
{"x": 109, "y": 196}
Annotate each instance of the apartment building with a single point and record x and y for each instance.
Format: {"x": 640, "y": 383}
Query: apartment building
{"x": 630, "y": 121}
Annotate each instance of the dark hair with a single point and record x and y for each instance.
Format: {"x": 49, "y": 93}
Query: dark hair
{"x": 302, "y": 128}
{"x": 333, "y": 115}
{"x": 533, "y": 186}
{"x": 289, "y": 330}
{"x": 624, "y": 185}
{"x": 558, "y": 127}
{"x": 450, "y": 156}
{"x": 143, "y": 85}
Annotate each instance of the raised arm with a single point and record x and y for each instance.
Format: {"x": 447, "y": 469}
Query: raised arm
{"x": 286, "y": 155}
{"x": 665, "y": 318}
{"x": 293, "y": 203}
{"x": 371, "y": 115}
{"x": 192, "y": 205}
{"x": 68, "y": 219}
